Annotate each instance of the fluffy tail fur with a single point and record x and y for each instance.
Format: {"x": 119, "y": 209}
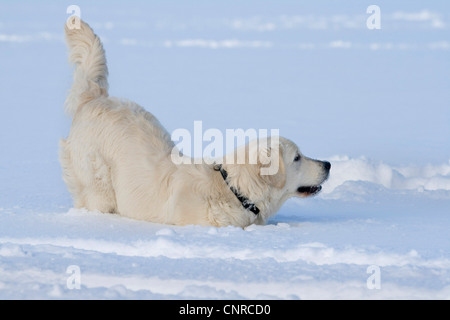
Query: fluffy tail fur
{"x": 90, "y": 79}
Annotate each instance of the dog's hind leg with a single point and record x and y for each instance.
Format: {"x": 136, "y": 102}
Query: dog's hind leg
{"x": 69, "y": 175}
{"x": 90, "y": 182}
{"x": 98, "y": 192}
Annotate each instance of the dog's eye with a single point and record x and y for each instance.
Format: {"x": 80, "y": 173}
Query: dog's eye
{"x": 297, "y": 158}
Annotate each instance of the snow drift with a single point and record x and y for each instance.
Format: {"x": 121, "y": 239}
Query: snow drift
{"x": 419, "y": 178}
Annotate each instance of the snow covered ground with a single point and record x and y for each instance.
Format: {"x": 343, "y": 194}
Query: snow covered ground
{"x": 375, "y": 103}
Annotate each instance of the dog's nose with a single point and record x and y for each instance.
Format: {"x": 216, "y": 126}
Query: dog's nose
{"x": 326, "y": 165}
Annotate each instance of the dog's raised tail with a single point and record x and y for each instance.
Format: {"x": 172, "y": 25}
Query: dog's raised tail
{"x": 90, "y": 79}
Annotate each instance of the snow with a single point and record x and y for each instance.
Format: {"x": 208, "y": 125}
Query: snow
{"x": 373, "y": 103}
{"x": 429, "y": 177}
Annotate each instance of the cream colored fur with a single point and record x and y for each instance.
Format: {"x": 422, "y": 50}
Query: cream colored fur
{"x": 117, "y": 159}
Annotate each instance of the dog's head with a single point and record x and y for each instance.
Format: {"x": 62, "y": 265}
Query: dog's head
{"x": 304, "y": 176}
{"x": 271, "y": 170}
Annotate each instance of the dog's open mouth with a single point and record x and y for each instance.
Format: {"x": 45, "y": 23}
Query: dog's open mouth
{"x": 309, "y": 191}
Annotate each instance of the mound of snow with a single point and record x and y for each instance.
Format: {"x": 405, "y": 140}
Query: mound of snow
{"x": 345, "y": 170}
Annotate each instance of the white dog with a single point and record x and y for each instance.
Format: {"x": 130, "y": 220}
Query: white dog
{"x": 117, "y": 159}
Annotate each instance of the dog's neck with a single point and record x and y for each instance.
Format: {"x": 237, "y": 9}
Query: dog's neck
{"x": 246, "y": 202}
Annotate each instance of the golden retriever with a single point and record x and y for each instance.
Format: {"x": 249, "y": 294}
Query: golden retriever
{"x": 117, "y": 159}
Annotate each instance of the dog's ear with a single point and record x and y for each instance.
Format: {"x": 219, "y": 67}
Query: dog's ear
{"x": 272, "y": 169}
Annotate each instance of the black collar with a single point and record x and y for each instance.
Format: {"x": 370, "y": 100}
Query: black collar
{"x": 246, "y": 203}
